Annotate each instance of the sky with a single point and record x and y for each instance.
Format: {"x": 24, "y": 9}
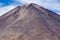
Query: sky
{"x": 7, "y": 5}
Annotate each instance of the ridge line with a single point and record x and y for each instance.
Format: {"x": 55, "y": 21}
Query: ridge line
{"x": 22, "y": 14}
{"x": 40, "y": 9}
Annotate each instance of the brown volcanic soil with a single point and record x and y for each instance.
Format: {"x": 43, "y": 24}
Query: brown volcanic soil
{"x": 30, "y": 22}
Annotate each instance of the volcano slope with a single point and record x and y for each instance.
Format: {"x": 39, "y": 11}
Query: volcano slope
{"x": 30, "y": 22}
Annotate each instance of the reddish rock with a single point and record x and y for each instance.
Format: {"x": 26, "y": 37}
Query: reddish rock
{"x": 30, "y": 22}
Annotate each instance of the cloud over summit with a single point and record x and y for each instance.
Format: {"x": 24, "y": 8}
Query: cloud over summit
{"x": 53, "y": 5}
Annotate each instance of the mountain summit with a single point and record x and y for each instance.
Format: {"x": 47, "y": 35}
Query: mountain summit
{"x": 30, "y": 22}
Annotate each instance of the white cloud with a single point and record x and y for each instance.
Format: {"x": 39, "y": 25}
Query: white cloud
{"x": 6, "y": 9}
{"x": 30, "y": 1}
{"x": 52, "y": 6}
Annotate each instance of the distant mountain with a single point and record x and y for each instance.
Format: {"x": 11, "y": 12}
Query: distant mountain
{"x": 30, "y": 22}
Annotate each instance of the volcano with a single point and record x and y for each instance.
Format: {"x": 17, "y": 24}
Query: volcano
{"x": 30, "y": 22}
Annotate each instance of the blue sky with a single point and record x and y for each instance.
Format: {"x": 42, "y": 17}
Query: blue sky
{"x": 7, "y": 5}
